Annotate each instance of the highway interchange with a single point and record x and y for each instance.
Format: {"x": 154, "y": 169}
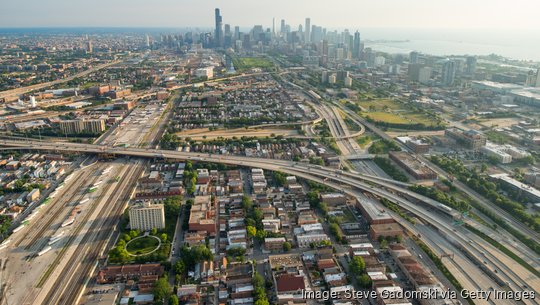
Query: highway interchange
{"x": 474, "y": 262}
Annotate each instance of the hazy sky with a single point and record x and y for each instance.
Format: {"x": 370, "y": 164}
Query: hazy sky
{"x": 514, "y": 14}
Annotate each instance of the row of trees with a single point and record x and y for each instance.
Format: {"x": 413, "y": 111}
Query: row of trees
{"x": 441, "y": 197}
{"x": 259, "y": 293}
{"x": 383, "y": 147}
{"x": 390, "y": 169}
{"x": 488, "y": 189}
{"x": 357, "y": 268}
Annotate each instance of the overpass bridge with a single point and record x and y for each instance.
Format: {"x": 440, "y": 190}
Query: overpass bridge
{"x": 334, "y": 178}
{"x": 269, "y": 164}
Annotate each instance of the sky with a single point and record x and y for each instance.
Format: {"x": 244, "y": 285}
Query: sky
{"x": 352, "y": 14}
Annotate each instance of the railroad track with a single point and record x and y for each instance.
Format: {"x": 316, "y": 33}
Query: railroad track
{"x": 57, "y": 208}
{"x": 92, "y": 244}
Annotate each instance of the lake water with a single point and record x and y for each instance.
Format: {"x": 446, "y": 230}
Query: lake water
{"x": 522, "y": 45}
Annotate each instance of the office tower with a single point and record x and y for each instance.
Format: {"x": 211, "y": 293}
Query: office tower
{"x": 257, "y": 33}
{"x": 530, "y": 81}
{"x": 369, "y": 57}
{"x": 307, "y": 34}
{"x": 424, "y": 75}
{"x": 282, "y": 28}
{"x": 538, "y": 78}
{"x": 89, "y": 46}
{"x": 273, "y": 27}
{"x": 324, "y": 53}
{"x": 218, "y": 35}
{"x": 147, "y": 41}
{"x": 356, "y": 45}
{"x": 147, "y": 216}
{"x": 448, "y": 75}
{"x": 316, "y": 33}
{"x": 236, "y": 33}
{"x": 413, "y": 57}
{"x": 227, "y": 39}
{"x": 471, "y": 65}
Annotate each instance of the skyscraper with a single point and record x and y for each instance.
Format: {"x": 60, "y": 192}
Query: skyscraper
{"x": 448, "y": 73}
{"x": 413, "y": 57}
{"x": 282, "y": 28}
{"x": 307, "y": 33}
{"x": 471, "y": 65}
{"x": 356, "y": 45}
{"x": 218, "y": 35}
{"x": 324, "y": 53}
{"x": 538, "y": 78}
{"x": 89, "y": 46}
{"x": 236, "y": 33}
{"x": 227, "y": 36}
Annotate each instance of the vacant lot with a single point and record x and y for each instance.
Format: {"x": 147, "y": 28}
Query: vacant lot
{"x": 379, "y": 105}
{"x": 205, "y": 134}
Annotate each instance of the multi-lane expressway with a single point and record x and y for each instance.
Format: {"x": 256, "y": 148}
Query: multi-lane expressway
{"x": 499, "y": 266}
{"x": 10, "y": 94}
{"x": 517, "y": 225}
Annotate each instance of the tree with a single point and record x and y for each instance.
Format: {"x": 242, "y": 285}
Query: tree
{"x": 287, "y": 246}
{"x": 162, "y": 290}
{"x": 236, "y": 251}
{"x": 173, "y": 300}
{"x": 153, "y": 232}
{"x": 384, "y": 244}
{"x": 133, "y": 233}
{"x": 179, "y": 267}
{"x": 357, "y": 265}
{"x": 251, "y": 231}
{"x": 163, "y": 237}
{"x": 247, "y": 203}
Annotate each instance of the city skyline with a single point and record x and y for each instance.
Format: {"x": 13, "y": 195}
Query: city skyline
{"x": 481, "y": 14}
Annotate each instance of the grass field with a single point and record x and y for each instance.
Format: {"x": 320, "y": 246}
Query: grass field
{"x": 404, "y": 117}
{"x": 379, "y": 105}
{"x": 245, "y": 63}
{"x": 387, "y": 117}
{"x": 142, "y": 245}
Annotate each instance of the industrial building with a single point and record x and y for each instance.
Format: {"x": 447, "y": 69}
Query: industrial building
{"x": 413, "y": 166}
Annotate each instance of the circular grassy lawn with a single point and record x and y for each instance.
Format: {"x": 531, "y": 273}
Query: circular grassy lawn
{"x": 143, "y": 245}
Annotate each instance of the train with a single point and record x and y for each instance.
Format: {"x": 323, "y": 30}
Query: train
{"x": 5, "y": 243}
{"x": 17, "y": 229}
{"x": 56, "y": 238}
{"x": 68, "y": 222}
{"x": 32, "y": 215}
{"x": 84, "y": 201}
{"x": 45, "y": 250}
